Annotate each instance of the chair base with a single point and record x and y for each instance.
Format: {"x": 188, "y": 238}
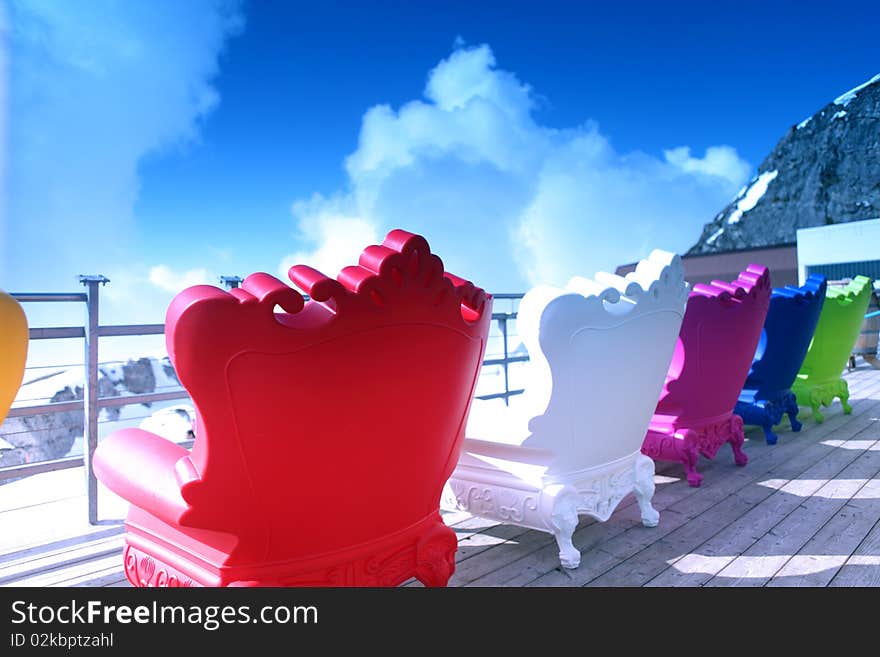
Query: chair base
{"x": 767, "y": 413}
{"x": 425, "y": 550}
{"x": 554, "y": 507}
{"x": 685, "y": 444}
{"x": 816, "y": 395}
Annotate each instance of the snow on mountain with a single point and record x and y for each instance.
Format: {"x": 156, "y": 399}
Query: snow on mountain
{"x": 845, "y": 99}
{"x": 46, "y": 436}
{"x": 752, "y": 195}
{"x": 825, "y": 170}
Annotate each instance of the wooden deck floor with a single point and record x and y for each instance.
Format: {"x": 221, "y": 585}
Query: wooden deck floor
{"x": 805, "y": 512}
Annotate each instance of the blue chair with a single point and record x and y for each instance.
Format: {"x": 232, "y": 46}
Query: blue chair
{"x": 788, "y": 330}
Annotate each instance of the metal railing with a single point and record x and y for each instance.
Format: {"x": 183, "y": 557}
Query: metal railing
{"x": 506, "y": 359}
{"x": 91, "y": 404}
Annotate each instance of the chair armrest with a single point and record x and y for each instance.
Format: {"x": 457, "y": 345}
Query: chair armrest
{"x": 142, "y": 468}
{"x": 516, "y": 453}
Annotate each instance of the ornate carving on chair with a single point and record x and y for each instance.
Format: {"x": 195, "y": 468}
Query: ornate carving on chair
{"x": 324, "y": 433}
{"x": 719, "y": 334}
{"x": 840, "y": 321}
{"x": 13, "y": 350}
{"x": 599, "y": 352}
{"x": 788, "y": 330}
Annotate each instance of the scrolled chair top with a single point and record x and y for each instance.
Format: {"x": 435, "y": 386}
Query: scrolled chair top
{"x": 857, "y": 288}
{"x": 381, "y": 271}
{"x": 574, "y": 336}
{"x": 753, "y": 282}
{"x": 814, "y": 287}
{"x": 548, "y": 312}
{"x": 657, "y": 278}
{"x": 398, "y": 280}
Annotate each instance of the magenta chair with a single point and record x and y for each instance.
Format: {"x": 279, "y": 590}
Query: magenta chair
{"x": 716, "y": 344}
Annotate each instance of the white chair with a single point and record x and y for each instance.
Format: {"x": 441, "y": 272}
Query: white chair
{"x": 599, "y": 351}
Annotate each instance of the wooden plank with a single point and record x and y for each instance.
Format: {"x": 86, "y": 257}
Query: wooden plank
{"x": 476, "y": 535}
{"x": 112, "y": 576}
{"x": 845, "y": 531}
{"x": 812, "y": 509}
{"x": 812, "y": 436}
{"x": 24, "y": 529}
{"x": 60, "y": 559}
{"x": 713, "y": 492}
{"x": 75, "y": 572}
{"x": 591, "y": 533}
{"x": 649, "y": 562}
{"x": 681, "y": 504}
{"x": 600, "y": 545}
{"x": 819, "y": 561}
{"x": 862, "y": 568}
{"x": 705, "y": 501}
{"x": 698, "y": 565}
{"x": 522, "y": 545}
{"x": 697, "y": 508}
{"x": 545, "y": 559}
{"x": 46, "y": 549}
{"x": 500, "y": 570}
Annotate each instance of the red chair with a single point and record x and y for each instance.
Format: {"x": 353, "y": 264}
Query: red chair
{"x": 719, "y": 333}
{"x": 324, "y": 433}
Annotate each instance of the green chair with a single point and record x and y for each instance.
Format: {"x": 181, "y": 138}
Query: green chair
{"x": 819, "y": 380}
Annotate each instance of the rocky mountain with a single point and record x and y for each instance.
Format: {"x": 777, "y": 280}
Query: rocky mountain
{"x": 825, "y": 170}
{"x": 47, "y": 436}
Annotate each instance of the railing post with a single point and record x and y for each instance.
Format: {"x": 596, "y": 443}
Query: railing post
{"x": 502, "y": 322}
{"x": 90, "y": 391}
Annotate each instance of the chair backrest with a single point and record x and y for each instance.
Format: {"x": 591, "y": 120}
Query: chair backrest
{"x": 836, "y": 331}
{"x": 338, "y": 420}
{"x": 599, "y": 351}
{"x": 788, "y": 330}
{"x": 13, "y": 350}
{"x": 718, "y": 337}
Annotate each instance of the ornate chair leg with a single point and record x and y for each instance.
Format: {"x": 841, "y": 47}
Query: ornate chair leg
{"x": 689, "y": 456}
{"x": 769, "y": 436}
{"x": 760, "y": 415}
{"x": 737, "y": 439}
{"x": 817, "y": 414}
{"x": 844, "y": 397}
{"x": 643, "y": 488}
{"x": 564, "y": 520}
{"x": 792, "y": 410}
{"x": 435, "y": 556}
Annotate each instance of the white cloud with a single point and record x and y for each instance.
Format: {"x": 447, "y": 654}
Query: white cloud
{"x": 721, "y": 161}
{"x": 95, "y": 87}
{"x": 505, "y": 200}
{"x": 4, "y": 120}
{"x": 339, "y": 238}
{"x": 165, "y": 278}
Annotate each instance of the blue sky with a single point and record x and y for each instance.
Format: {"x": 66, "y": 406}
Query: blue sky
{"x": 164, "y": 143}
